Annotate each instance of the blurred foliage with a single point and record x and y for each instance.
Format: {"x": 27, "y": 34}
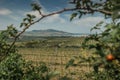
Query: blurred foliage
{"x": 107, "y": 43}
{"x": 14, "y": 67}
{"x": 110, "y": 8}
{"x": 106, "y": 66}
{"x": 4, "y": 45}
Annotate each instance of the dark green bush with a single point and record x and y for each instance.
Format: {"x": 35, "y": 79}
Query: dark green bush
{"x": 16, "y": 68}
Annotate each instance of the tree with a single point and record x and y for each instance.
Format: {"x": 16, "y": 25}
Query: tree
{"x": 106, "y": 43}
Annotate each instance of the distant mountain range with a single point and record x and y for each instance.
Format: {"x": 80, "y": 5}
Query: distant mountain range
{"x": 50, "y": 32}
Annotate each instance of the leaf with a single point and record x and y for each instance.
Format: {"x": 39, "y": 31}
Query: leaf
{"x": 21, "y": 25}
{"x": 29, "y": 20}
{"x": 70, "y": 63}
{"x": 96, "y": 67}
{"x": 91, "y": 46}
{"x": 78, "y": 4}
{"x": 72, "y": 16}
{"x": 43, "y": 68}
{"x": 29, "y": 15}
{"x": 25, "y": 24}
{"x": 114, "y": 33}
{"x": 35, "y": 6}
{"x": 97, "y": 26}
{"x": 25, "y": 19}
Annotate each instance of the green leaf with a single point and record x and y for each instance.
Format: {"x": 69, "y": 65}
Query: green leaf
{"x": 29, "y": 15}
{"x": 25, "y": 19}
{"x": 73, "y": 16}
{"x": 35, "y": 6}
{"x": 78, "y": 4}
{"x": 25, "y": 24}
{"x": 97, "y": 26}
{"x": 96, "y": 67}
{"x": 80, "y": 13}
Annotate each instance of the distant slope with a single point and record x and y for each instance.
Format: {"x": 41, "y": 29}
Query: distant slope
{"x": 48, "y": 32}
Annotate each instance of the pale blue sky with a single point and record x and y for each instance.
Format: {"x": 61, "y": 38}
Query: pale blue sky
{"x": 13, "y": 11}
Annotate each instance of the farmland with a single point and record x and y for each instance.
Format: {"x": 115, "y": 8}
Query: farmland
{"x": 56, "y": 52}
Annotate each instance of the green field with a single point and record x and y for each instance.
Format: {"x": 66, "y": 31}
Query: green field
{"x": 56, "y": 52}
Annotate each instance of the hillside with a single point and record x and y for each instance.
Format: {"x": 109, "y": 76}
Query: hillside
{"x": 47, "y": 32}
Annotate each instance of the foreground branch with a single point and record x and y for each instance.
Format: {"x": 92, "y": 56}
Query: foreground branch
{"x": 53, "y": 13}
{"x": 42, "y": 17}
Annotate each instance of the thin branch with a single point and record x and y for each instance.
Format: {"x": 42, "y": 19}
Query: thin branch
{"x": 50, "y": 14}
{"x": 105, "y": 12}
{"x": 40, "y": 13}
{"x": 42, "y": 16}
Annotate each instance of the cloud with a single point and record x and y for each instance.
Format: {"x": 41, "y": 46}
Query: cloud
{"x": 88, "y": 21}
{"x": 14, "y": 17}
{"x": 49, "y": 19}
{"x": 37, "y": 1}
{"x": 67, "y": 15}
{"x": 8, "y": 13}
{"x": 36, "y": 13}
{"x": 54, "y": 19}
{"x": 4, "y": 11}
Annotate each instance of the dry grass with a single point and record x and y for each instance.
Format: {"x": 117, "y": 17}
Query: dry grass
{"x": 56, "y": 59}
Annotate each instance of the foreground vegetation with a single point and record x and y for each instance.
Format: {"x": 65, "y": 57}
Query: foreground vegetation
{"x": 57, "y": 57}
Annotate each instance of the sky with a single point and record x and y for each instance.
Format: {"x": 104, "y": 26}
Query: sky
{"x": 13, "y": 12}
